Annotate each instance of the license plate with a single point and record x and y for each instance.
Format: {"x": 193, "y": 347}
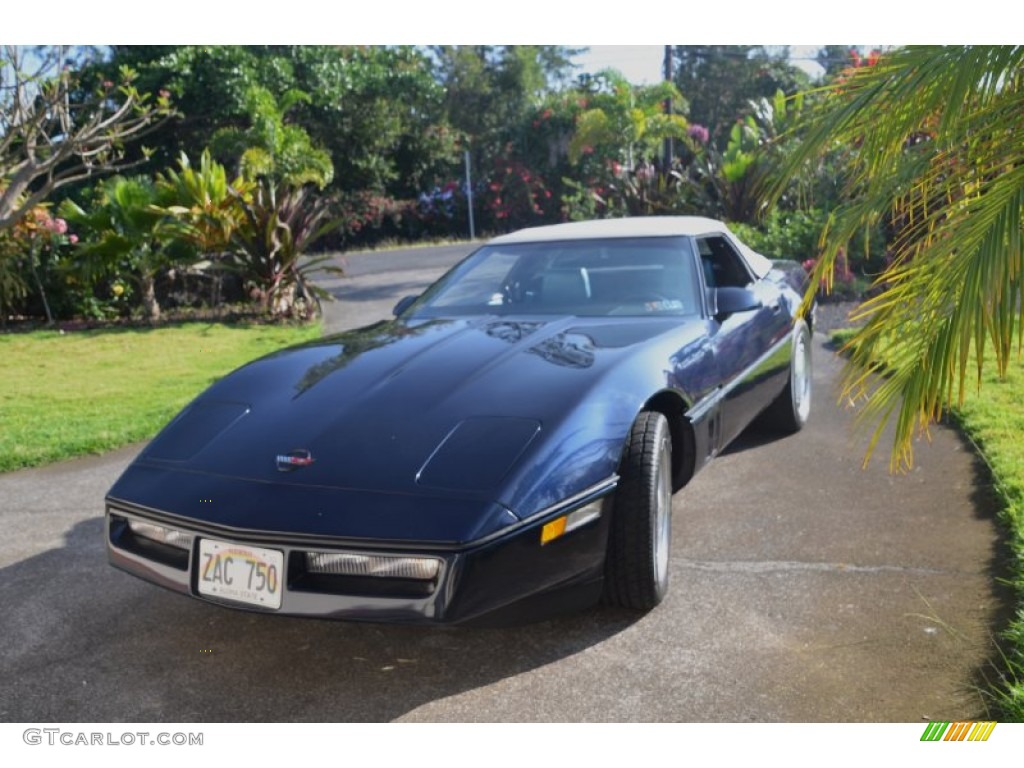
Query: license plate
{"x": 238, "y": 572}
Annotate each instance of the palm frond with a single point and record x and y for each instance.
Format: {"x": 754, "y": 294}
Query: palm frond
{"x": 935, "y": 132}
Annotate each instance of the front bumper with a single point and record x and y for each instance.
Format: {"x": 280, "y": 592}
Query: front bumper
{"x": 502, "y": 574}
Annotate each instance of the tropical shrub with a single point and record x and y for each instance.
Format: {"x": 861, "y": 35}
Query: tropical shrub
{"x": 270, "y": 248}
{"x": 202, "y": 206}
{"x": 126, "y": 238}
{"x": 34, "y": 261}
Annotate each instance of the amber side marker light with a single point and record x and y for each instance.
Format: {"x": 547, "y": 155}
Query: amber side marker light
{"x": 568, "y": 523}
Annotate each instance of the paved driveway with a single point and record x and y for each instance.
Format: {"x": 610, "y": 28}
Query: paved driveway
{"x": 803, "y": 588}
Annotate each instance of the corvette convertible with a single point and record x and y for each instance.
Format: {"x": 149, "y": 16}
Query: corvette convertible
{"x": 508, "y": 444}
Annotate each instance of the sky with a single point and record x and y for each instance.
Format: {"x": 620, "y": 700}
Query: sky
{"x": 566, "y": 22}
{"x": 642, "y": 64}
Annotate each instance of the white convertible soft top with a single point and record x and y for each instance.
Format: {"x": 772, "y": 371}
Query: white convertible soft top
{"x": 639, "y": 226}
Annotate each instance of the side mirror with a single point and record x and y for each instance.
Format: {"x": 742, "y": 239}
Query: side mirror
{"x": 729, "y": 300}
{"x": 403, "y": 304}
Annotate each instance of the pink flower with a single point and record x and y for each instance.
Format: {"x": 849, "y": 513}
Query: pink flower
{"x": 108, "y": 84}
{"x": 72, "y": 239}
{"x": 57, "y": 226}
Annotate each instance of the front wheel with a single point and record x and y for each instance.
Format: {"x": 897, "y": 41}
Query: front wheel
{"x": 636, "y": 567}
{"x": 790, "y": 410}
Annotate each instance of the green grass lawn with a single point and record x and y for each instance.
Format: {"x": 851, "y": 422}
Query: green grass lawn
{"x": 993, "y": 418}
{"x": 64, "y": 395}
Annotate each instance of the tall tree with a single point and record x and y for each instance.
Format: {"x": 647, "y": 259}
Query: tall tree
{"x": 377, "y": 110}
{"x": 946, "y": 167}
{"x": 491, "y": 90}
{"x": 720, "y": 81}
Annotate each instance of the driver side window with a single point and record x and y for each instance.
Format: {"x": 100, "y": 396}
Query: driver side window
{"x": 723, "y": 267}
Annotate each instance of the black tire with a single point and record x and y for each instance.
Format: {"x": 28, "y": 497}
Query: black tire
{"x": 789, "y": 412}
{"x": 636, "y": 566}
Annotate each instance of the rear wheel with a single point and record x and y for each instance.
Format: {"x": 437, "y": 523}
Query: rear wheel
{"x": 636, "y": 568}
{"x": 790, "y": 410}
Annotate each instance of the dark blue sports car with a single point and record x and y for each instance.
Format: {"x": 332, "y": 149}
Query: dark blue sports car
{"x": 509, "y": 443}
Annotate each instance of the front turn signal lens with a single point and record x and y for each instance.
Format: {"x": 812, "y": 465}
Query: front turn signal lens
{"x": 553, "y": 530}
{"x": 567, "y": 523}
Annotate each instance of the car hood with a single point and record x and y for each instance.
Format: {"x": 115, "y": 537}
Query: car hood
{"x": 428, "y": 408}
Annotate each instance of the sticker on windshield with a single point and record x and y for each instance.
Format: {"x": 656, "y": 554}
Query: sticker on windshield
{"x": 665, "y": 305}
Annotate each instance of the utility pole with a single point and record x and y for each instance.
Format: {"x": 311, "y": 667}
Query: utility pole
{"x": 469, "y": 198}
{"x": 667, "y": 154}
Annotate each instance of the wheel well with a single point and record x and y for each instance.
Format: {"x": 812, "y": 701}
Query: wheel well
{"x": 673, "y": 408}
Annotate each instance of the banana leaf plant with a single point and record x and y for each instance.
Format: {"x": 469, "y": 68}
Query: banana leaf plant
{"x": 124, "y": 233}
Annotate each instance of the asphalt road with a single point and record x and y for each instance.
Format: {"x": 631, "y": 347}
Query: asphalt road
{"x": 803, "y": 589}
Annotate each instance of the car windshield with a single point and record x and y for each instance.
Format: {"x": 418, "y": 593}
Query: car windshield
{"x": 627, "y": 276}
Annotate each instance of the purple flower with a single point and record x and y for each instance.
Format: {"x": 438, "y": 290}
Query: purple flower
{"x": 698, "y": 132}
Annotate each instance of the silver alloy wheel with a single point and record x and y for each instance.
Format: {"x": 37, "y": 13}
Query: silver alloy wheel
{"x": 662, "y": 538}
{"x": 801, "y": 384}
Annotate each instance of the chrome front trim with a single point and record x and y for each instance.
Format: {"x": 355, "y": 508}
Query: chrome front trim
{"x": 294, "y": 602}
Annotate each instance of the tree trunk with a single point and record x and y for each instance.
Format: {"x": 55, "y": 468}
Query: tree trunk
{"x": 32, "y": 259}
{"x": 149, "y": 302}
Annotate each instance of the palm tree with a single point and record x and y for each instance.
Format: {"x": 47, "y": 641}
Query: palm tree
{"x": 934, "y": 141}
{"x": 627, "y": 120}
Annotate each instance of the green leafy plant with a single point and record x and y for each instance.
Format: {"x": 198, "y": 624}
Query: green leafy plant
{"x": 125, "y": 236}
{"x": 204, "y": 207}
{"x": 270, "y": 146}
{"x": 13, "y": 287}
{"x": 270, "y": 248}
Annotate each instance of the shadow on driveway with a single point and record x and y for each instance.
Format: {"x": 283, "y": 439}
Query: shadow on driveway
{"x": 84, "y": 642}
